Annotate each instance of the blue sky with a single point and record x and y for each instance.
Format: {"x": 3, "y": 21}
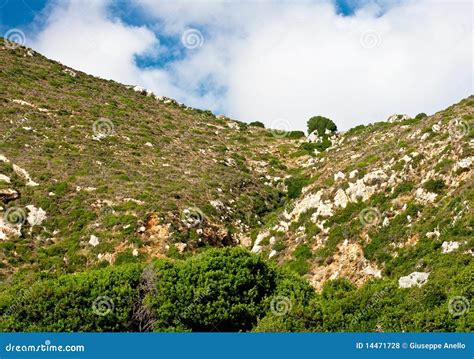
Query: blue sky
{"x": 28, "y": 14}
{"x": 274, "y": 61}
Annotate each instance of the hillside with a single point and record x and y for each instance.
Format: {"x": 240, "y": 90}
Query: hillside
{"x": 110, "y": 191}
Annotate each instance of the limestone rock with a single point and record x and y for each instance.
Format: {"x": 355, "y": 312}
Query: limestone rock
{"x": 340, "y": 199}
{"x": 94, "y": 241}
{"x": 4, "y": 178}
{"x": 448, "y": 247}
{"x": 36, "y": 216}
{"x": 8, "y": 194}
{"x": 413, "y": 279}
{"x": 397, "y": 118}
{"x": 24, "y": 175}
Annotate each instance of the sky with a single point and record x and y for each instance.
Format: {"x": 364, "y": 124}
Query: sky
{"x": 279, "y": 62}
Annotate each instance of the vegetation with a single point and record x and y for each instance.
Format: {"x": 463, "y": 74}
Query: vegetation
{"x": 321, "y": 124}
{"x": 257, "y": 124}
{"x": 192, "y": 189}
{"x": 229, "y": 290}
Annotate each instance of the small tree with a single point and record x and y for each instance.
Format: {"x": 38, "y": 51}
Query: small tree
{"x": 257, "y": 124}
{"x": 320, "y": 124}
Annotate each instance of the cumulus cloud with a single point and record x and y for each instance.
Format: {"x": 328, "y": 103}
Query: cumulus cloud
{"x": 279, "y": 62}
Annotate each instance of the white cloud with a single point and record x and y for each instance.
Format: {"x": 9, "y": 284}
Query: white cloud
{"x": 281, "y": 60}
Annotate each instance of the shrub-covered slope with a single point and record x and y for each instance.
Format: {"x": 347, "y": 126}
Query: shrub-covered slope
{"x": 111, "y": 198}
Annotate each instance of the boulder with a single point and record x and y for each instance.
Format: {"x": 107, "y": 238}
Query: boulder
{"x": 94, "y": 241}
{"x": 24, "y": 175}
{"x": 413, "y": 279}
{"x": 448, "y": 247}
{"x": 4, "y": 178}
{"x": 36, "y": 216}
{"x": 339, "y": 175}
{"x": 397, "y": 118}
{"x": 340, "y": 199}
{"x": 8, "y": 194}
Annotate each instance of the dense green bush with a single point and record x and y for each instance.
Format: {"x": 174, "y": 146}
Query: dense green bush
{"x": 234, "y": 290}
{"x": 309, "y": 147}
{"x": 220, "y": 290}
{"x": 435, "y": 186}
{"x": 257, "y": 124}
{"x": 296, "y": 134}
{"x": 224, "y": 290}
{"x": 295, "y": 184}
{"x": 67, "y": 303}
{"x": 321, "y": 124}
{"x": 421, "y": 115}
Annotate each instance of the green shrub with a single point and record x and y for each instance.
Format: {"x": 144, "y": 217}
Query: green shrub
{"x": 421, "y": 115}
{"x": 435, "y": 186}
{"x": 296, "y": 134}
{"x": 404, "y": 187}
{"x": 67, "y": 303}
{"x": 295, "y": 184}
{"x": 219, "y": 290}
{"x": 309, "y": 147}
{"x": 321, "y": 124}
{"x": 257, "y": 124}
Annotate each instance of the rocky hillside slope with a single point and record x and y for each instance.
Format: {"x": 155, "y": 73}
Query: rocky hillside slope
{"x": 94, "y": 173}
